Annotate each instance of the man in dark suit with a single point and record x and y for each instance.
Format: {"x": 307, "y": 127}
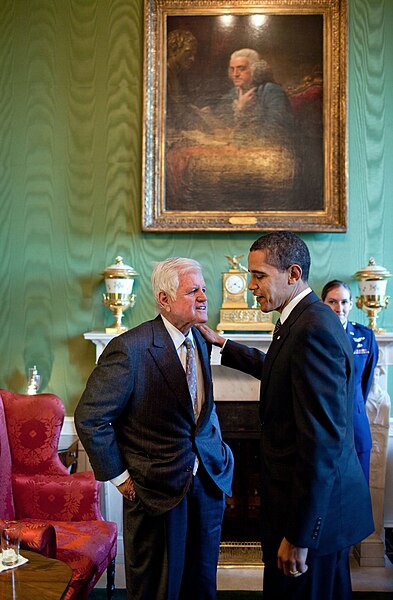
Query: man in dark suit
{"x": 337, "y": 294}
{"x": 315, "y": 502}
{"x": 148, "y": 422}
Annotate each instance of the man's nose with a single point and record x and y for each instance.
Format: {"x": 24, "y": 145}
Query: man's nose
{"x": 251, "y": 284}
{"x": 202, "y": 296}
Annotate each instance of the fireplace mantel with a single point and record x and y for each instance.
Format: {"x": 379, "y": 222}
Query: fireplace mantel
{"x": 247, "y": 388}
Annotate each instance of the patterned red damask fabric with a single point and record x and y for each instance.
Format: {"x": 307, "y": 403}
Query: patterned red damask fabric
{"x": 88, "y": 548}
{"x": 34, "y": 436}
{"x": 84, "y": 553}
{"x": 57, "y": 498}
{"x": 7, "y": 510}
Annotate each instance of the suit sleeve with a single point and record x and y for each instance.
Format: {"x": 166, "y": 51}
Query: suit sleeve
{"x": 368, "y": 371}
{"x": 106, "y": 395}
{"x": 245, "y": 359}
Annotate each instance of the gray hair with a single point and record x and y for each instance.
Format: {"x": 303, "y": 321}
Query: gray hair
{"x": 165, "y": 275}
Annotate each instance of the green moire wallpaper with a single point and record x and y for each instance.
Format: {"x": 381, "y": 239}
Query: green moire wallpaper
{"x": 71, "y": 85}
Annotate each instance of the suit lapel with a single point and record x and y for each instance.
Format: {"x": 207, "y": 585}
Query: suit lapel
{"x": 166, "y": 358}
{"x": 279, "y": 341}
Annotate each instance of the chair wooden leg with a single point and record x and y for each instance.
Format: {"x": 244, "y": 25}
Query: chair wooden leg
{"x": 110, "y": 580}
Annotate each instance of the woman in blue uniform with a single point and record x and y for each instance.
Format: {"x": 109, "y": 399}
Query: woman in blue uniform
{"x": 337, "y": 295}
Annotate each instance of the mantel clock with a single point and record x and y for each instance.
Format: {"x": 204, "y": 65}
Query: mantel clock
{"x": 235, "y": 314}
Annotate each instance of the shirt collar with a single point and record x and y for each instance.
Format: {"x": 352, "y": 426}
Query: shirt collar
{"x": 289, "y": 307}
{"x": 177, "y": 336}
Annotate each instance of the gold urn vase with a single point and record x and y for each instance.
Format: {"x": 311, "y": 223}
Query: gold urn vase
{"x": 119, "y": 283}
{"x": 372, "y": 281}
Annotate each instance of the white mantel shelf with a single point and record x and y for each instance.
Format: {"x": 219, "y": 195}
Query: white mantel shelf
{"x": 256, "y": 340}
{"x": 235, "y": 385}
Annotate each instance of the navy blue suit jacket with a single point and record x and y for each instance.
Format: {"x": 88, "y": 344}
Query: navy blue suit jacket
{"x": 365, "y": 355}
{"x": 313, "y": 491}
{"x": 136, "y": 414}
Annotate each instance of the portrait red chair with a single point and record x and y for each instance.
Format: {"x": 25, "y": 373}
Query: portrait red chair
{"x": 36, "y": 489}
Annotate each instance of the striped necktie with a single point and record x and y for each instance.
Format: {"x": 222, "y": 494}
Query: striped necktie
{"x": 191, "y": 375}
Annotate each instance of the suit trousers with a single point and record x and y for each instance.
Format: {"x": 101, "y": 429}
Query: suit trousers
{"x": 327, "y": 578}
{"x": 174, "y": 556}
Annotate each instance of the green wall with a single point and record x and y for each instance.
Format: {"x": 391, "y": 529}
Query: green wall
{"x": 70, "y": 179}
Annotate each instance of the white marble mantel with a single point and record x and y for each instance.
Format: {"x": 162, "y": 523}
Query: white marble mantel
{"x": 256, "y": 340}
{"x": 233, "y": 385}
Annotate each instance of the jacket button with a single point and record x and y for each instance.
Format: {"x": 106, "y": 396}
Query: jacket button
{"x": 188, "y": 468}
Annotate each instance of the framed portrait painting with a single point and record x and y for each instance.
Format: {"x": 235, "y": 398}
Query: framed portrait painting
{"x": 244, "y": 121}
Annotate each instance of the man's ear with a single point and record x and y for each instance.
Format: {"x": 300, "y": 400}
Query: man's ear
{"x": 294, "y": 274}
{"x": 163, "y": 301}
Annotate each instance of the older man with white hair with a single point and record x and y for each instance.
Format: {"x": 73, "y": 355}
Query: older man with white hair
{"x": 148, "y": 422}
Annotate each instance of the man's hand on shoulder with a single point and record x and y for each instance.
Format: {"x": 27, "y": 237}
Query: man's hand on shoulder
{"x": 210, "y": 335}
{"x": 127, "y": 489}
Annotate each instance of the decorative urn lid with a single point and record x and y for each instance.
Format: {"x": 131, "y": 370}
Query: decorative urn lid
{"x": 372, "y": 271}
{"x": 119, "y": 270}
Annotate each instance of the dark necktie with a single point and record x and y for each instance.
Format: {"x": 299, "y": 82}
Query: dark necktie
{"x": 191, "y": 375}
{"x": 277, "y": 327}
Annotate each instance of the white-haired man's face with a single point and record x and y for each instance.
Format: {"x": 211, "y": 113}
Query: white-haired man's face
{"x": 190, "y": 304}
{"x": 240, "y": 72}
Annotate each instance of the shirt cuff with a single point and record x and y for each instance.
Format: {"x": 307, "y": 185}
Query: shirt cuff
{"x": 223, "y": 346}
{"x": 120, "y": 478}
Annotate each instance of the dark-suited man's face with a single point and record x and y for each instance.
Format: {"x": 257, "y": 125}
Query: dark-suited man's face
{"x": 190, "y": 305}
{"x": 272, "y": 288}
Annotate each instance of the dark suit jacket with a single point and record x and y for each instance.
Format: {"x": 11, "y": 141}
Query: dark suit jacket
{"x": 136, "y": 414}
{"x": 365, "y": 356}
{"x": 313, "y": 489}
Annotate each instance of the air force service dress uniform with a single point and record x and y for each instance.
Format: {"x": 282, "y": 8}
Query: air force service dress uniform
{"x": 365, "y": 355}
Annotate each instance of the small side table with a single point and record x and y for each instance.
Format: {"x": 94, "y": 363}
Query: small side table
{"x": 68, "y": 452}
{"x": 41, "y": 577}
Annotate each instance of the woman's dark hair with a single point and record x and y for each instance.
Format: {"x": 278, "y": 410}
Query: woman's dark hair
{"x": 331, "y": 285}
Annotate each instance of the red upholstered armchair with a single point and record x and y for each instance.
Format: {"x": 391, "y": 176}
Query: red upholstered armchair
{"x": 37, "y": 490}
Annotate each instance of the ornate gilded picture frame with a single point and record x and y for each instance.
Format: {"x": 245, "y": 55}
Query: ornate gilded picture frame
{"x": 244, "y": 121}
